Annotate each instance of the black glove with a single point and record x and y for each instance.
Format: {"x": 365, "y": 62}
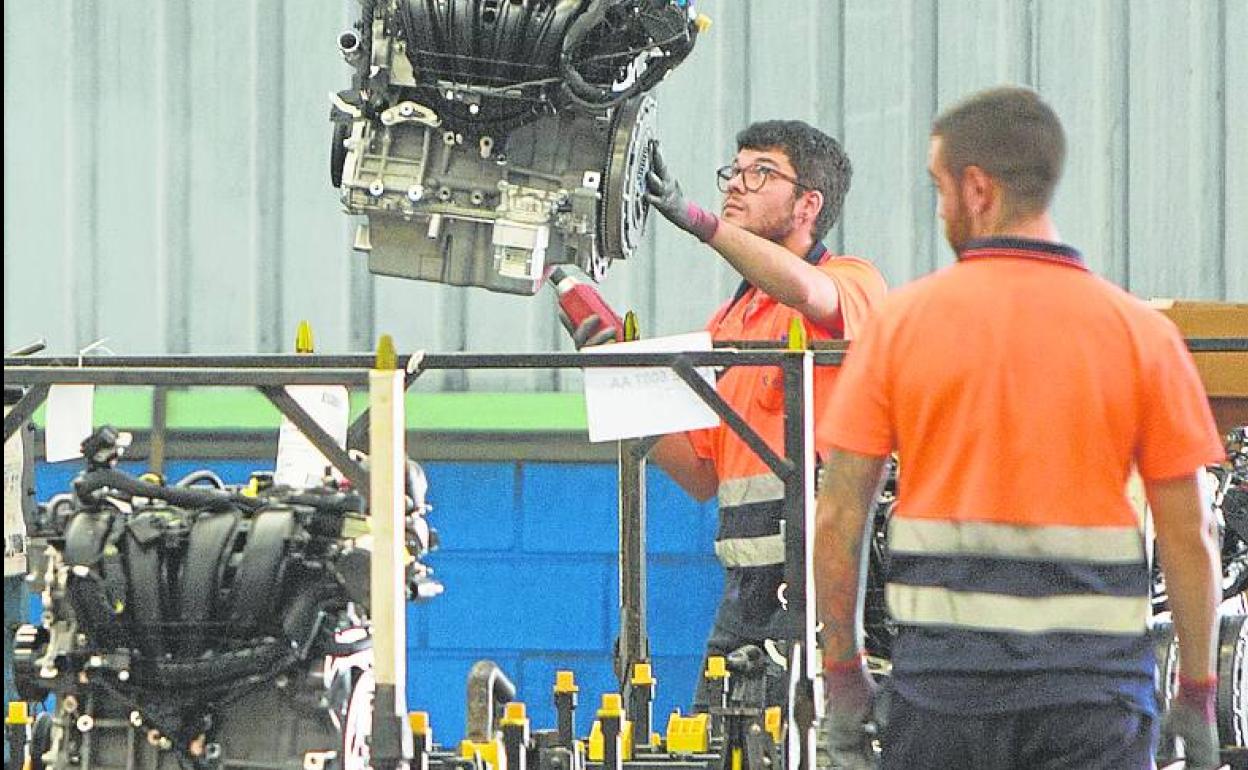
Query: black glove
{"x": 589, "y": 332}
{"x": 664, "y": 195}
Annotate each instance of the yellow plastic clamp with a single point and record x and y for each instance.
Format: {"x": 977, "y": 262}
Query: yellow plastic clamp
{"x": 773, "y": 718}
{"x": 418, "y": 723}
{"x": 688, "y": 735}
{"x": 716, "y": 667}
{"x": 596, "y": 741}
{"x": 18, "y": 713}
{"x": 642, "y": 674}
{"x": 514, "y": 713}
{"x": 489, "y": 752}
{"x": 565, "y": 681}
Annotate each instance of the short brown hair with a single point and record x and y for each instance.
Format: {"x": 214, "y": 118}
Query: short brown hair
{"x": 1014, "y": 137}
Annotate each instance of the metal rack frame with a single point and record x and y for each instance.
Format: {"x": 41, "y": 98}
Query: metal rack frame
{"x": 271, "y": 373}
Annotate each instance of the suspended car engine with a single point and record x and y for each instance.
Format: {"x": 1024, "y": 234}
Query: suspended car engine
{"x": 487, "y": 140}
{"x": 206, "y": 627}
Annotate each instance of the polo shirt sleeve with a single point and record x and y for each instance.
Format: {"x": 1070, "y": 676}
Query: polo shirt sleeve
{"x": 859, "y": 287}
{"x": 1177, "y": 431}
{"x": 861, "y": 409}
{"x": 703, "y": 438}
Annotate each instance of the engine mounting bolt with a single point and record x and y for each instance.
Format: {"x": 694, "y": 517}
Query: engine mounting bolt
{"x": 405, "y": 109}
{"x": 164, "y": 744}
{"x": 85, "y": 723}
{"x": 136, "y": 719}
{"x": 70, "y": 703}
{"x": 123, "y": 676}
{"x": 377, "y": 188}
{"x": 474, "y": 108}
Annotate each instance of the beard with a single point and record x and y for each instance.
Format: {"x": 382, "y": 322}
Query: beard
{"x": 958, "y": 229}
{"x": 775, "y": 226}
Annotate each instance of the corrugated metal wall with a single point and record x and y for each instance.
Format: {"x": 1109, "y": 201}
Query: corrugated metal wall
{"x": 166, "y": 183}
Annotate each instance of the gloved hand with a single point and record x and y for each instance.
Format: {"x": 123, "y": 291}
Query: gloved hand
{"x": 589, "y": 332}
{"x": 1192, "y": 717}
{"x": 663, "y": 193}
{"x": 843, "y": 735}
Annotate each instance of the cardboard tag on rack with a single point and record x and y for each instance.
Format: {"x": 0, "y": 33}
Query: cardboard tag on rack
{"x": 69, "y": 419}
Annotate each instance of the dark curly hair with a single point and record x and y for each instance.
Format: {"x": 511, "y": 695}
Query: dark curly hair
{"x": 819, "y": 160}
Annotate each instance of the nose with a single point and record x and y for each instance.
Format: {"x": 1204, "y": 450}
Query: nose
{"x": 736, "y": 184}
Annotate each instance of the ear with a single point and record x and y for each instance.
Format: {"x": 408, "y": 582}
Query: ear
{"x": 808, "y": 206}
{"x": 978, "y": 189}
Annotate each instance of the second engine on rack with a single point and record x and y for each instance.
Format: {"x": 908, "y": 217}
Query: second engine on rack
{"x": 206, "y": 626}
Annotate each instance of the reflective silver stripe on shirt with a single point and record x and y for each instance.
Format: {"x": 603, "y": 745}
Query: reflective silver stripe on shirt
{"x": 1097, "y": 545}
{"x": 762, "y": 488}
{"x": 1096, "y": 614}
{"x": 751, "y": 551}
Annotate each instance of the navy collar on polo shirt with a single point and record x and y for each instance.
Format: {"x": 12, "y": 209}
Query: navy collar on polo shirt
{"x": 1023, "y": 248}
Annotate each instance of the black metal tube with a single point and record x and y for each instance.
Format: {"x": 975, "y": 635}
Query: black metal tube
{"x": 24, "y": 408}
{"x": 424, "y": 362}
{"x": 730, "y": 353}
{"x": 160, "y": 420}
{"x": 634, "y": 644}
{"x": 641, "y": 447}
{"x": 174, "y": 377}
{"x": 798, "y": 375}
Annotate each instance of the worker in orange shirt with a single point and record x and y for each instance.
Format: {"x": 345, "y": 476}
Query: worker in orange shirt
{"x": 1019, "y": 390}
{"x": 782, "y": 193}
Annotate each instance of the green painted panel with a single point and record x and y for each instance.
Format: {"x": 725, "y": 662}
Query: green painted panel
{"x": 246, "y": 409}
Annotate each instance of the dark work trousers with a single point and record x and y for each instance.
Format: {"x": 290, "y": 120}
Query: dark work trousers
{"x": 1100, "y": 736}
{"x": 722, "y": 642}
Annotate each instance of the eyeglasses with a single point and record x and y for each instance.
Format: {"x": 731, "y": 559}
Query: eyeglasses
{"x": 753, "y": 177}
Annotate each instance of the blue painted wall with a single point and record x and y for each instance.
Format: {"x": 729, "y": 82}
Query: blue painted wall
{"x": 528, "y": 558}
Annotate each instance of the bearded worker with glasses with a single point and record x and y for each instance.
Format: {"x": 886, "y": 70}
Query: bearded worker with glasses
{"x": 782, "y": 193}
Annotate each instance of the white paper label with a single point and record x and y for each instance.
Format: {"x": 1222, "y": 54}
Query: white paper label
{"x": 69, "y": 420}
{"x": 299, "y": 463}
{"x": 14, "y": 523}
{"x": 634, "y": 402}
